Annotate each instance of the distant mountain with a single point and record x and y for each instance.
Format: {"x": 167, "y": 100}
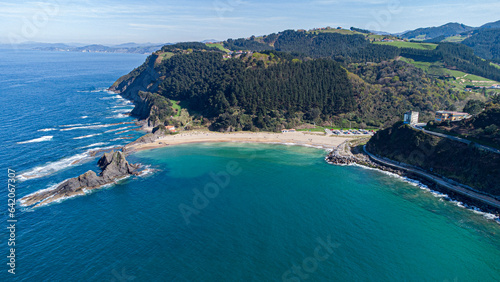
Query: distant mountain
{"x": 210, "y": 40}
{"x": 485, "y": 43}
{"x": 490, "y": 25}
{"x": 131, "y": 47}
{"x": 135, "y": 45}
{"x": 446, "y": 30}
{"x": 32, "y": 44}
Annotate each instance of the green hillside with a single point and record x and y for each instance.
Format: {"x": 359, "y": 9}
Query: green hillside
{"x": 455, "y": 160}
{"x": 405, "y": 44}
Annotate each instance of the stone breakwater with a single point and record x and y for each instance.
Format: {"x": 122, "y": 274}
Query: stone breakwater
{"x": 113, "y": 165}
{"x": 351, "y": 153}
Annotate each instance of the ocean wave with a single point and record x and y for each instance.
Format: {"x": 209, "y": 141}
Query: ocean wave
{"x": 94, "y": 145}
{"x": 125, "y": 103}
{"x": 146, "y": 170}
{"x": 52, "y": 167}
{"x": 47, "y": 129}
{"x": 119, "y": 116}
{"x": 117, "y": 97}
{"x": 121, "y": 138}
{"x": 84, "y": 116}
{"x": 50, "y": 188}
{"x": 122, "y": 111}
{"x": 79, "y": 124}
{"x": 124, "y": 131}
{"x": 92, "y": 91}
{"x": 94, "y": 150}
{"x": 116, "y": 129}
{"x": 87, "y": 136}
{"x": 36, "y": 140}
{"x": 88, "y": 127}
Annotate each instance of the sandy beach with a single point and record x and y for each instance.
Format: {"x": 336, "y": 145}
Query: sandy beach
{"x": 297, "y": 138}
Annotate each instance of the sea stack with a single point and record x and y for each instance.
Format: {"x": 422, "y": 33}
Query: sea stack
{"x": 113, "y": 166}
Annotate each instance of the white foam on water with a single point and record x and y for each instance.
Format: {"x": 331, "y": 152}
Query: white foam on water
{"x": 84, "y": 116}
{"x": 52, "y": 167}
{"x": 87, "y": 136}
{"x": 117, "y": 129}
{"x": 36, "y": 140}
{"x": 94, "y": 145}
{"x": 119, "y": 138}
{"x": 121, "y": 111}
{"x": 118, "y": 116}
{"x": 79, "y": 124}
{"x": 124, "y": 131}
{"x": 87, "y": 127}
{"x": 437, "y": 194}
{"x": 47, "y": 129}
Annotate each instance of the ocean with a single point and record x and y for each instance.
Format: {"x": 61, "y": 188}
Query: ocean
{"x": 213, "y": 211}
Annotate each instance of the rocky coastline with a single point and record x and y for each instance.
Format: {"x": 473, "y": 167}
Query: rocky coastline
{"x": 352, "y": 153}
{"x": 113, "y": 166}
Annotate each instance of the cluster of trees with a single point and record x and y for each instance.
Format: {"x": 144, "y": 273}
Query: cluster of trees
{"x": 246, "y": 44}
{"x": 360, "y": 30}
{"x": 455, "y": 160}
{"x": 455, "y": 56}
{"x": 341, "y": 47}
{"x": 243, "y": 93}
{"x": 483, "y": 127}
{"x": 485, "y": 43}
{"x": 186, "y": 46}
{"x": 474, "y": 107}
{"x": 389, "y": 89}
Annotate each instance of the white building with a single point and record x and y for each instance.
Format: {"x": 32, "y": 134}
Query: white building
{"x": 411, "y": 118}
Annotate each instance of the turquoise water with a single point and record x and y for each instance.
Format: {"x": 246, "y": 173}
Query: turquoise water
{"x": 221, "y": 212}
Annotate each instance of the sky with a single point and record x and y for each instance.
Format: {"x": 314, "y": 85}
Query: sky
{"x": 115, "y": 22}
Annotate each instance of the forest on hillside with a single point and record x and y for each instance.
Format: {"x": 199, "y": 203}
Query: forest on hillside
{"x": 486, "y": 44}
{"x": 271, "y": 90}
{"x": 455, "y": 160}
{"x": 253, "y": 94}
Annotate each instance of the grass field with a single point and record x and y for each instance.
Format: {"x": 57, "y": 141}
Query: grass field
{"x": 462, "y": 79}
{"x": 455, "y": 39}
{"x": 166, "y": 55}
{"x": 218, "y": 46}
{"x": 177, "y": 107}
{"x": 414, "y": 45}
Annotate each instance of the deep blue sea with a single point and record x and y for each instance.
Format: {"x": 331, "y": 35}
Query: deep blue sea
{"x": 208, "y": 212}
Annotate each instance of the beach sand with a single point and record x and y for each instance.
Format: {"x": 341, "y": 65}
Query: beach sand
{"x": 318, "y": 140}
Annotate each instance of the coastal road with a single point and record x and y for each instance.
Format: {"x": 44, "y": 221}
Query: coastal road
{"x": 458, "y": 139}
{"x": 455, "y": 188}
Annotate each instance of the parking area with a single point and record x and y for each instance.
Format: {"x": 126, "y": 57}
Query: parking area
{"x": 348, "y": 132}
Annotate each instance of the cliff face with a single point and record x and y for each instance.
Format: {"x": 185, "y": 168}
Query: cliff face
{"x": 113, "y": 166}
{"x": 143, "y": 78}
{"x": 463, "y": 163}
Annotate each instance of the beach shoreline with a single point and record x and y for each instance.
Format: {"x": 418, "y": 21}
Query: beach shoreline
{"x": 309, "y": 139}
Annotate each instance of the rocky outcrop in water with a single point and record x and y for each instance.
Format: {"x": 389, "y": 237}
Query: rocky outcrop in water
{"x": 113, "y": 166}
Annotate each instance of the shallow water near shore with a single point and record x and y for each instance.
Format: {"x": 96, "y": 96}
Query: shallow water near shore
{"x": 225, "y": 211}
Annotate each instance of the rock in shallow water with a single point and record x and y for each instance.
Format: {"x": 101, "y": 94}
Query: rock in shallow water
{"x": 113, "y": 166}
